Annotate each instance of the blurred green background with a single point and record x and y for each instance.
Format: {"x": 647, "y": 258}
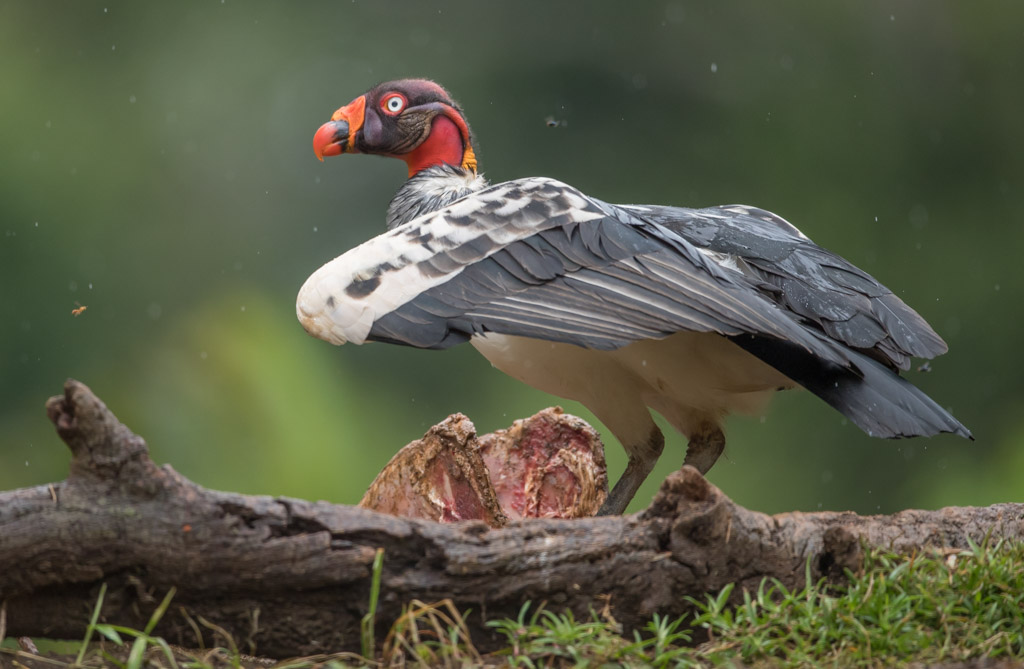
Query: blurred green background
{"x": 156, "y": 166}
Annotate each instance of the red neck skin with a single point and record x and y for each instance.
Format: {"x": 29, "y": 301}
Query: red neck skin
{"x": 442, "y": 146}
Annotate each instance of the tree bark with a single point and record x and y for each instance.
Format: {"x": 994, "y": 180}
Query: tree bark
{"x": 290, "y": 577}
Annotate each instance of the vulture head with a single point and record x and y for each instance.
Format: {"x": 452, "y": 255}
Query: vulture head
{"x": 412, "y": 119}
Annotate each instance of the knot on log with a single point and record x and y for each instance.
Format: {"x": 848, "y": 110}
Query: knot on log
{"x": 102, "y": 448}
{"x": 697, "y": 509}
{"x": 842, "y": 550}
{"x": 700, "y": 518}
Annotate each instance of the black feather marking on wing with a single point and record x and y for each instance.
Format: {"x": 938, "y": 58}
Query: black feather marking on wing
{"x": 845, "y": 302}
{"x": 363, "y": 288}
{"x": 877, "y": 400}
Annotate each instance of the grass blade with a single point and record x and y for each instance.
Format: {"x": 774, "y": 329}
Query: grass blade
{"x": 366, "y": 624}
{"x": 160, "y": 610}
{"x": 92, "y": 624}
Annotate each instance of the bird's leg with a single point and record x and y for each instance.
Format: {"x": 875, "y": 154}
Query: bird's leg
{"x": 705, "y": 445}
{"x": 641, "y": 462}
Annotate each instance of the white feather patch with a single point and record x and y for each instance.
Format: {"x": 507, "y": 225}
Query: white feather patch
{"x": 327, "y": 310}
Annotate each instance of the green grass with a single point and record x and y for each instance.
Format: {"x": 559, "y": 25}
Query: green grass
{"x": 932, "y": 607}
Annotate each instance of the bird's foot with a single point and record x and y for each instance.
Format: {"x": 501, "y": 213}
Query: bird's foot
{"x": 705, "y": 447}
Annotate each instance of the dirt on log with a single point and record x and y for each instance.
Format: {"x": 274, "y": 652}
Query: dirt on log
{"x": 289, "y": 577}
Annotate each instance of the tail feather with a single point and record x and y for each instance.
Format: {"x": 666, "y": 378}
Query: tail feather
{"x": 874, "y": 398}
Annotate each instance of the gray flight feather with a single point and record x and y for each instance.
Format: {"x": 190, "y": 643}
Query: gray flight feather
{"x": 848, "y": 304}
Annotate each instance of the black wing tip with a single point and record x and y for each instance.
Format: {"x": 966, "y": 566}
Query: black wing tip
{"x": 959, "y": 429}
{"x": 903, "y": 410}
{"x": 873, "y": 397}
{"x": 951, "y": 426}
{"x": 899, "y": 420}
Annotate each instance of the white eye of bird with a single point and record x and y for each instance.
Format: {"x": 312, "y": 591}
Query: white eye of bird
{"x": 394, "y": 104}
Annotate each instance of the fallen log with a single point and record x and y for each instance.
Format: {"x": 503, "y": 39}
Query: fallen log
{"x": 289, "y": 577}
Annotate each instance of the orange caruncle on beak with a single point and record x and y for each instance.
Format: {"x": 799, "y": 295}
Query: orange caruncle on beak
{"x": 333, "y": 138}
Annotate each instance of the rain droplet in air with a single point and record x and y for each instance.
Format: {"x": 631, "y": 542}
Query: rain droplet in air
{"x": 714, "y": 67}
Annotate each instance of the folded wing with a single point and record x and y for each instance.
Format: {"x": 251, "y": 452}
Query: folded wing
{"x": 537, "y": 258}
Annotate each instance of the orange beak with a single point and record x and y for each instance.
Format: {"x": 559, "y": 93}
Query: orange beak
{"x": 333, "y": 138}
